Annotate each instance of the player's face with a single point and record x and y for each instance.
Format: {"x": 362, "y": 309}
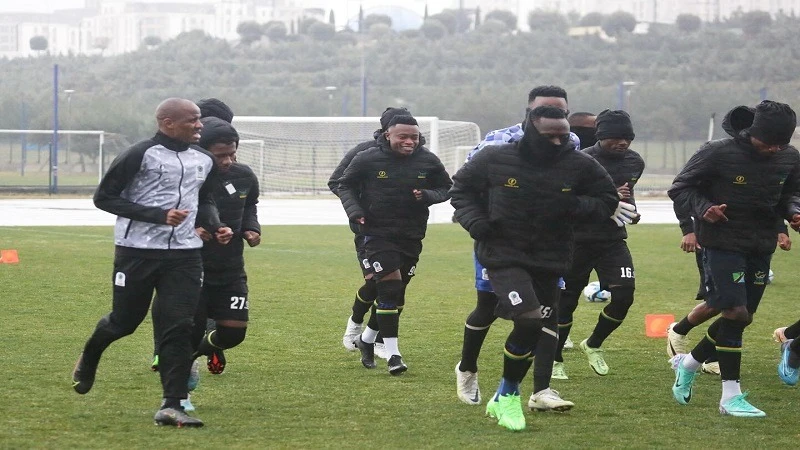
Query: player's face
{"x": 224, "y": 154}
{"x": 766, "y": 149}
{"x": 615, "y": 145}
{"x": 403, "y": 139}
{"x": 185, "y": 126}
{"x": 558, "y": 102}
{"x": 554, "y": 130}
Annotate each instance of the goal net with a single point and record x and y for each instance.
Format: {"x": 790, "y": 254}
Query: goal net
{"x": 295, "y": 156}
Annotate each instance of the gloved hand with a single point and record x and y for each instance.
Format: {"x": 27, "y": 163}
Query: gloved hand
{"x": 480, "y": 230}
{"x": 624, "y": 213}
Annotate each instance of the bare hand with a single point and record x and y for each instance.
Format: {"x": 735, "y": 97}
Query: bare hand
{"x": 624, "y": 191}
{"x": 716, "y": 214}
{"x": 203, "y": 233}
{"x": 784, "y": 242}
{"x": 252, "y": 238}
{"x": 689, "y": 243}
{"x": 795, "y": 223}
{"x": 360, "y": 220}
{"x": 176, "y": 217}
{"x": 223, "y": 235}
{"x": 418, "y": 194}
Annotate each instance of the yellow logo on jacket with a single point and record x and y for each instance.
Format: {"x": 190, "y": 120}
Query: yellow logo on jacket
{"x": 512, "y": 183}
{"x": 739, "y": 180}
{"x": 382, "y": 174}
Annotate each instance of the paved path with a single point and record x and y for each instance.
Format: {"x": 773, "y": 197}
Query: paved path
{"x": 81, "y": 212}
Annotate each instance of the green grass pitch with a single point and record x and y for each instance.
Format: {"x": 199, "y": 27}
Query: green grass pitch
{"x": 292, "y": 385}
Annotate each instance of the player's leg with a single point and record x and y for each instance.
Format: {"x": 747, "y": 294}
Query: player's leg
{"x": 543, "y": 397}
{"x": 616, "y": 273}
{"x": 365, "y": 296}
{"x": 216, "y": 361}
{"x": 789, "y": 365}
{"x": 133, "y": 280}
{"x": 229, "y": 306}
{"x": 784, "y": 334}
{"x": 178, "y": 288}
{"x": 475, "y": 330}
{"x": 517, "y": 301}
{"x": 574, "y": 282}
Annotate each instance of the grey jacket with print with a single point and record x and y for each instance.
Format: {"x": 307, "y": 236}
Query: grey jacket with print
{"x": 150, "y": 178}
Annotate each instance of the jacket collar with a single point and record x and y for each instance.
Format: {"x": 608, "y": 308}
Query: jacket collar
{"x": 170, "y": 143}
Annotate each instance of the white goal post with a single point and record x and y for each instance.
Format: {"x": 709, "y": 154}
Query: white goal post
{"x": 295, "y": 156}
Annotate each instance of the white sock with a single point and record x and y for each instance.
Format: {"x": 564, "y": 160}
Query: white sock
{"x": 730, "y": 389}
{"x": 690, "y": 364}
{"x": 368, "y": 336}
{"x": 391, "y": 346}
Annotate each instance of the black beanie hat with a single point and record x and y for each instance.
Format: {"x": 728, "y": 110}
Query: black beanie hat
{"x": 389, "y": 113}
{"x": 774, "y": 123}
{"x": 213, "y": 107}
{"x": 216, "y": 131}
{"x": 614, "y": 125}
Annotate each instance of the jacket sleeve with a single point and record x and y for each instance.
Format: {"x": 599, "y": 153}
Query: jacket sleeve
{"x": 638, "y": 170}
{"x": 685, "y": 191}
{"x": 207, "y": 213}
{"x": 250, "y": 213}
{"x": 470, "y": 185}
{"x": 597, "y": 197}
{"x": 789, "y": 202}
{"x": 441, "y": 180}
{"x": 333, "y": 181}
{"x": 350, "y": 187}
{"x": 684, "y": 219}
{"x": 121, "y": 173}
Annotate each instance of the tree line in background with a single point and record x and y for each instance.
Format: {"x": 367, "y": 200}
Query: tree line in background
{"x": 457, "y": 66}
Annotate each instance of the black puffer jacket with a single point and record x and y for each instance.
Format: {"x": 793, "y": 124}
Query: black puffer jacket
{"x": 759, "y": 191}
{"x": 625, "y": 169}
{"x": 532, "y": 202}
{"x": 378, "y": 186}
{"x": 236, "y": 196}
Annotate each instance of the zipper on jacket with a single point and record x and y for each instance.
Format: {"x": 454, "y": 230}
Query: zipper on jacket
{"x": 180, "y": 184}
{"x": 128, "y": 228}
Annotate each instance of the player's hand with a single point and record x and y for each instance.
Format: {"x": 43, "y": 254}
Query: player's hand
{"x": 716, "y": 214}
{"x": 252, "y": 238}
{"x": 795, "y": 222}
{"x": 784, "y": 242}
{"x": 224, "y": 235}
{"x": 419, "y": 195}
{"x": 480, "y": 230}
{"x": 176, "y": 217}
{"x": 359, "y": 220}
{"x": 689, "y": 243}
{"x": 203, "y": 233}
{"x": 624, "y": 191}
{"x": 624, "y": 213}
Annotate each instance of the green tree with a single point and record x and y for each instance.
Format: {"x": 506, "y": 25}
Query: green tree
{"x": 507, "y": 17}
{"x": 445, "y": 18}
{"x": 101, "y": 43}
{"x": 688, "y": 23}
{"x": 249, "y": 32}
{"x": 332, "y": 19}
{"x": 547, "y": 21}
{"x": 593, "y": 19}
{"x": 754, "y": 22}
{"x": 304, "y": 24}
{"x": 275, "y": 30}
{"x": 433, "y": 29}
{"x": 38, "y": 43}
{"x": 477, "y": 16}
{"x": 493, "y": 26}
{"x": 619, "y": 22}
{"x": 151, "y": 41}
{"x": 321, "y": 31}
{"x": 372, "y": 19}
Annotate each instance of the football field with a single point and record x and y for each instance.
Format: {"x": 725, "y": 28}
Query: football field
{"x": 291, "y": 384}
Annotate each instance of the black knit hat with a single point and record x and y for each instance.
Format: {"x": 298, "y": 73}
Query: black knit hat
{"x": 774, "y": 123}
{"x": 389, "y": 113}
{"x": 216, "y": 131}
{"x": 214, "y": 107}
{"x": 614, "y": 125}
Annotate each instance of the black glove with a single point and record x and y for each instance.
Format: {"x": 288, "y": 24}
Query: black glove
{"x": 480, "y": 230}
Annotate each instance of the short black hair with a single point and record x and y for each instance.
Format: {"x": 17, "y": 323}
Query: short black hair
{"x": 547, "y": 91}
{"x": 547, "y": 112}
{"x": 403, "y": 119}
{"x": 581, "y": 114}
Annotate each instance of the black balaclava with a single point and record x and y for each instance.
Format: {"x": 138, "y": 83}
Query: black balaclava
{"x": 586, "y": 135}
{"x": 774, "y": 123}
{"x": 537, "y": 146}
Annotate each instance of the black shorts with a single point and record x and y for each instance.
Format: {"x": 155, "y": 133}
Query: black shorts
{"x": 387, "y": 255}
{"x": 519, "y": 291}
{"x": 228, "y": 301}
{"x": 611, "y": 260}
{"x": 361, "y": 254}
{"x": 735, "y": 279}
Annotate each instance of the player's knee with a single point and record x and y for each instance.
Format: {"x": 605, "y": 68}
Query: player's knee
{"x": 229, "y": 337}
{"x": 390, "y": 293}
{"x": 369, "y": 291}
{"x": 621, "y": 301}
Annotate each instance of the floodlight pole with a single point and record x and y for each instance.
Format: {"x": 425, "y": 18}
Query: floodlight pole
{"x": 54, "y": 146}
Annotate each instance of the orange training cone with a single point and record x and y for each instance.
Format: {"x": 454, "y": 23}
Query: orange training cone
{"x": 9, "y": 257}
{"x": 655, "y": 325}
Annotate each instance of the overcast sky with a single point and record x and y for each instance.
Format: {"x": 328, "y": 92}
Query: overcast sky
{"x": 50, "y": 5}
